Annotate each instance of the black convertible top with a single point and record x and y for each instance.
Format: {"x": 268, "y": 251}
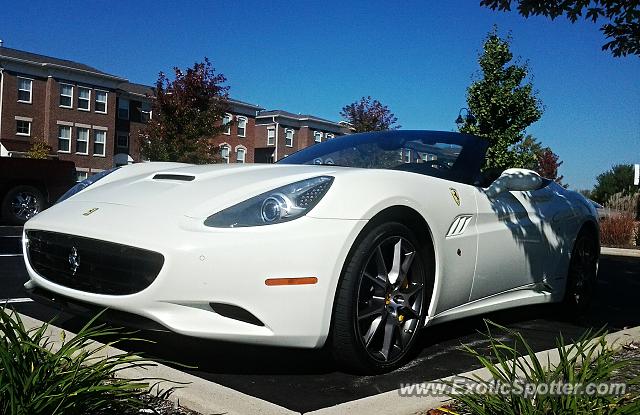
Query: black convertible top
{"x": 448, "y": 155}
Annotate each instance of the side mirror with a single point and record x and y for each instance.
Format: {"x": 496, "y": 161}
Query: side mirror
{"x": 520, "y": 180}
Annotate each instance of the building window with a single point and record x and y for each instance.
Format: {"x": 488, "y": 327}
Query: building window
{"x": 81, "y": 175}
{"x": 82, "y": 141}
{"x": 64, "y": 139}
{"x": 271, "y": 136}
{"x": 101, "y": 102}
{"x": 123, "y": 140}
{"x": 288, "y": 137}
{"x": 84, "y": 98}
{"x": 242, "y": 126}
{"x": 123, "y": 109}
{"x": 330, "y": 136}
{"x": 317, "y": 136}
{"x": 226, "y": 120}
{"x": 145, "y": 111}
{"x": 427, "y": 157}
{"x": 99, "y": 142}
{"x": 66, "y": 95}
{"x": 224, "y": 152}
{"x": 407, "y": 156}
{"x": 25, "y": 86}
{"x": 240, "y": 153}
{"x": 23, "y": 127}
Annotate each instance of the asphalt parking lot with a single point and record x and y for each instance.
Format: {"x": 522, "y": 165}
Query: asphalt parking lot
{"x": 305, "y": 380}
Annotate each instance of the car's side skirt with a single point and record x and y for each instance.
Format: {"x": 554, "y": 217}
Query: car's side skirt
{"x": 521, "y": 296}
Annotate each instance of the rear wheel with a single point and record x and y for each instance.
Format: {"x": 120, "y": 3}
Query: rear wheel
{"x": 583, "y": 269}
{"x": 21, "y": 204}
{"x": 381, "y": 301}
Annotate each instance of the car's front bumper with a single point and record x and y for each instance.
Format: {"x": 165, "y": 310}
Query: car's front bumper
{"x": 225, "y": 266}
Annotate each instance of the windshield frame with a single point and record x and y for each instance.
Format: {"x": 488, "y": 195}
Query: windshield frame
{"x": 465, "y": 169}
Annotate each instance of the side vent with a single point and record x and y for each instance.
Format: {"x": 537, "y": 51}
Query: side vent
{"x": 236, "y": 313}
{"x": 459, "y": 225}
{"x": 178, "y": 177}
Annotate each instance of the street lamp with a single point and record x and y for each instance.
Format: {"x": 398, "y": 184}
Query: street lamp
{"x": 469, "y": 118}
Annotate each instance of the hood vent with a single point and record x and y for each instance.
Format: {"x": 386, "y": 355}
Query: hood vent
{"x": 178, "y": 177}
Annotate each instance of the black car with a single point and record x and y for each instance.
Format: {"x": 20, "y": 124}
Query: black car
{"x": 28, "y": 186}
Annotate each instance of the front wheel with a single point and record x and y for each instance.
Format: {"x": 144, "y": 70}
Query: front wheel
{"x": 583, "y": 269}
{"x": 381, "y": 300}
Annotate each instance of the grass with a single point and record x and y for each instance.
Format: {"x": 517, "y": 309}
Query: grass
{"x": 78, "y": 377}
{"x": 588, "y": 360}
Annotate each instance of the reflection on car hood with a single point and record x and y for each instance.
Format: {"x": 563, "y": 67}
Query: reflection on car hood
{"x": 196, "y": 191}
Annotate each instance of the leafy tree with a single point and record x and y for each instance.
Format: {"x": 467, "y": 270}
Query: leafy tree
{"x": 369, "y": 115}
{"x": 619, "y": 179}
{"x": 548, "y": 165}
{"x": 622, "y": 18}
{"x": 504, "y": 104}
{"x": 187, "y": 112}
{"x": 39, "y": 149}
{"x": 528, "y": 150}
{"x": 540, "y": 159}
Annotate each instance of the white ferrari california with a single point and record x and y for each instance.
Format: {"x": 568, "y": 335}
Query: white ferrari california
{"x": 357, "y": 243}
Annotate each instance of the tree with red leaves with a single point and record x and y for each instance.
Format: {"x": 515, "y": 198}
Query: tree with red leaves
{"x": 369, "y": 115}
{"x": 187, "y": 112}
{"x": 548, "y": 164}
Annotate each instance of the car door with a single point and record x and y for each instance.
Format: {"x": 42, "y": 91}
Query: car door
{"x": 511, "y": 243}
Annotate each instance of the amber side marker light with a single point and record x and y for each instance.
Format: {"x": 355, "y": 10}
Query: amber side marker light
{"x": 291, "y": 281}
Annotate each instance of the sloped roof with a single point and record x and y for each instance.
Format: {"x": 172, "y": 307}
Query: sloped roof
{"x": 48, "y": 60}
{"x": 301, "y": 117}
{"x": 137, "y": 89}
{"x": 246, "y": 104}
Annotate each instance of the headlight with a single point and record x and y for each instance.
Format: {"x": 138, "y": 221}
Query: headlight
{"x": 279, "y": 205}
{"x": 85, "y": 183}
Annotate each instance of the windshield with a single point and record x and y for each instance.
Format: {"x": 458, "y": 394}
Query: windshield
{"x": 451, "y": 156}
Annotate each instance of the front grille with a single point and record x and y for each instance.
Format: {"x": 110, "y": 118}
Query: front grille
{"x": 101, "y": 267}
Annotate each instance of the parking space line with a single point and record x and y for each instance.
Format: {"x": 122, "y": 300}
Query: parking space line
{"x": 3, "y": 255}
{"x": 15, "y": 300}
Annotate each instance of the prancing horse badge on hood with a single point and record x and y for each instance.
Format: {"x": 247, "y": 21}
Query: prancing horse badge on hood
{"x": 454, "y": 195}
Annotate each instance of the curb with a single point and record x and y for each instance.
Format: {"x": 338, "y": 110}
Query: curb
{"x": 208, "y": 397}
{"x": 393, "y": 403}
{"x": 620, "y": 252}
{"x": 197, "y": 394}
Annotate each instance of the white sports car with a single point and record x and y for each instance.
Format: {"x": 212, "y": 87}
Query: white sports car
{"x": 358, "y": 243}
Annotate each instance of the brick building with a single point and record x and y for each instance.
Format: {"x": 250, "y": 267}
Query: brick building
{"x": 238, "y": 142}
{"x": 94, "y": 118}
{"x": 69, "y": 105}
{"x": 281, "y": 133}
{"x": 134, "y": 102}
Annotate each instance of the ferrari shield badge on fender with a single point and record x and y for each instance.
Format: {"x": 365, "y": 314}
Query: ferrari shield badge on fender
{"x": 90, "y": 211}
{"x": 455, "y": 196}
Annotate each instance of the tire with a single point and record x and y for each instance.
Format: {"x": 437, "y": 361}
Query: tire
{"x": 375, "y": 320}
{"x": 583, "y": 270}
{"x": 21, "y": 203}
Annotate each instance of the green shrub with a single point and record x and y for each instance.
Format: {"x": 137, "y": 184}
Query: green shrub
{"x": 588, "y": 360}
{"x": 75, "y": 379}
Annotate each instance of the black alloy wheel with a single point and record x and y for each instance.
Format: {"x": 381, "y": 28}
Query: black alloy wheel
{"x": 381, "y": 302}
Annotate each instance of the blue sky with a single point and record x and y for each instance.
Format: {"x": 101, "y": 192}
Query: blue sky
{"x": 417, "y": 57}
